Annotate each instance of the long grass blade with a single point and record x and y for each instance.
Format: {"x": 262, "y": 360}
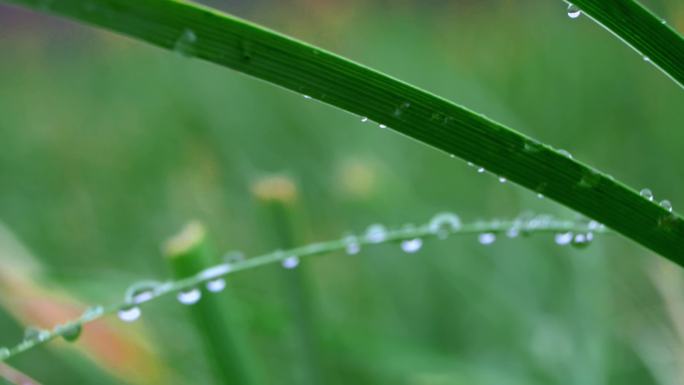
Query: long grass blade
{"x": 193, "y": 30}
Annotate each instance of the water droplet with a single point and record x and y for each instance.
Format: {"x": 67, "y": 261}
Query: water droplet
{"x": 647, "y": 59}
{"x": 593, "y": 225}
{"x": 540, "y": 196}
{"x": 376, "y": 233}
{"x": 646, "y": 193}
{"x": 480, "y": 170}
{"x": 666, "y": 205}
{"x": 364, "y": 119}
{"x": 502, "y": 179}
{"x": 582, "y": 240}
{"x": 32, "y": 333}
{"x": 382, "y": 125}
{"x": 290, "y": 262}
{"x": 129, "y": 314}
{"x": 590, "y": 179}
{"x": 513, "y": 232}
{"x": 71, "y": 332}
{"x": 185, "y": 43}
{"x": 452, "y": 156}
{"x": 140, "y": 292}
{"x": 307, "y": 97}
{"x": 573, "y": 11}
{"x": 532, "y": 147}
{"x": 444, "y": 223}
{"x": 189, "y": 297}
{"x": 4, "y": 353}
{"x": 92, "y": 312}
{"x": 400, "y": 110}
{"x": 215, "y": 271}
{"x": 563, "y": 238}
{"x": 486, "y": 238}
{"x": 471, "y": 164}
{"x": 565, "y": 154}
{"x": 352, "y": 245}
{"x": 216, "y": 285}
{"x": 411, "y": 245}
{"x": 663, "y": 21}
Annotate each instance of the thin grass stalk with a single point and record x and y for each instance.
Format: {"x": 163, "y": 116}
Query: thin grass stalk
{"x": 277, "y": 200}
{"x": 213, "y": 315}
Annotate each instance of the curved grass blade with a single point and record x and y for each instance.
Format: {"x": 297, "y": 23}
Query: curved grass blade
{"x": 210, "y": 35}
{"x": 437, "y": 228}
{"x": 635, "y": 25}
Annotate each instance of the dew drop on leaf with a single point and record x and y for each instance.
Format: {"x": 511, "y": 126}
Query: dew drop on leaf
{"x": 646, "y": 193}
{"x": 411, "y": 245}
{"x": 486, "y": 238}
{"x": 573, "y": 11}
{"x": 666, "y": 205}
{"x": 444, "y": 223}
{"x": 129, "y": 314}
{"x": 189, "y": 297}
{"x": 376, "y": 233}
{"x": 216, "y": 285}
{"x": 185, "y": 43}
{"x": 290, "y": 262}
{"x": 563, "y": 238}
{"x": 581, "y": 240}
{"x": 72, "y": 332}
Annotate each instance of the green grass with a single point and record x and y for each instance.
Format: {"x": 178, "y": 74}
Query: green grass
{"x": 112, "y": 145}
{"x": 200, "y": 32}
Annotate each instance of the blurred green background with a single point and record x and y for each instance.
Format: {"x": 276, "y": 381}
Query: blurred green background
{"x": 109, "y": 146}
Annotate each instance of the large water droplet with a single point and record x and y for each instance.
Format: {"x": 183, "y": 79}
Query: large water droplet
{"x": 290, "y": 262}
{"x": 486, "y": 238}
{"x": 189, "y": 297}
{"x": 411, "y": 245}
{"x": 216, "y": 285}
{"x": 376, "y": 233}
{"x": 581, "y": 240}
{"x": 563, "y": 238}
{"x": 140, "y": 292}
{"x": 71, "y": 333}
{"x": 129, "y": 314}
{"x": 646, "y": 193}
{"x": 666, "y": 205}
{"x": 444, "y": 223}
{"x": 573, "y": 11}
{"x": 565, "y": 154}
{"x": 185, "y": 43}
{"x": 352, "y": 245}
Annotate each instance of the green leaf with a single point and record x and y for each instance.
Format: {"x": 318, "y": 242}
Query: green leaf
{"x": 207, "y": 34}
{"x": 652, "y": 37}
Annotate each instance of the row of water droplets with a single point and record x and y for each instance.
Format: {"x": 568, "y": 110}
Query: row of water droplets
{"x": 410, "y": 240}
{"x": 145, "y": 291}
{"x": 648, "y": 194}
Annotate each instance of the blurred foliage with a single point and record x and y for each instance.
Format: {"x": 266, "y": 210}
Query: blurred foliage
{"x": 110, "y": 145}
